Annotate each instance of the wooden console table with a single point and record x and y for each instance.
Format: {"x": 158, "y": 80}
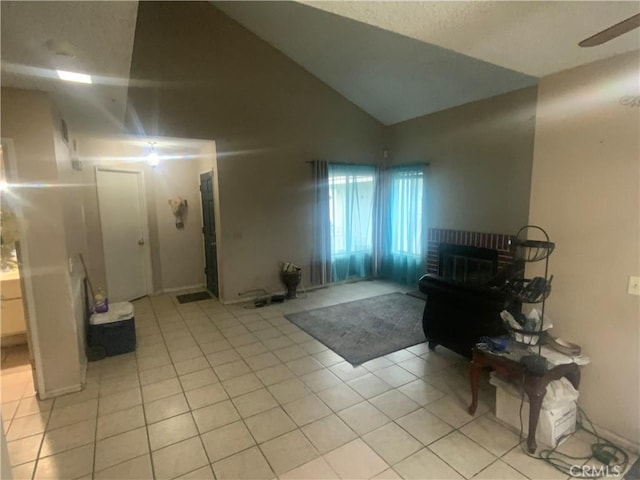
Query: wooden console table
{"x": 535, "y": 386}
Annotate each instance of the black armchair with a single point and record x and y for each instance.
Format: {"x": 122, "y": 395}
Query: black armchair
{"x": 457, "y": 314}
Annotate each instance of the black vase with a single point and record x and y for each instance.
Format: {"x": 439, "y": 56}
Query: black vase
{"x": 291, "y": 280}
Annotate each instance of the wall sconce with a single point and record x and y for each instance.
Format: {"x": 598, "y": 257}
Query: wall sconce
{"x": 153, "y": 160}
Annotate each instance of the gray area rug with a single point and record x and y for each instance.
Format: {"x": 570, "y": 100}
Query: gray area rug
{"x": 365, "y": 329}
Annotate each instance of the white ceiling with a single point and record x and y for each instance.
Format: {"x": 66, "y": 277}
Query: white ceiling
{"x": 395, "y": 60}
{"x": 399, "y": 60}
{"x": 536, "y": 38}
{"x": 390, "y": 76}
{"x": 97, "y": 38}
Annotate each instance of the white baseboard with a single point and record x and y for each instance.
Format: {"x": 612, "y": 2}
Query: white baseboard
{"x": 624, "y": 443}
{"x": 301, "y": 290}
{"x": 180, "y": 289}
{"x": 60, "y": 391}
{"x": 250, "y": 298}
{"x": 83, "y": 373}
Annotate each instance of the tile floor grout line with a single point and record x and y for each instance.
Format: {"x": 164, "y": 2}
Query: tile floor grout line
{"x": 35, "y": 465}
{"x": 516, "y": 447}
{"x": 243, "y": 419}
{"x": 193, "y": 419}
{"x": 144, "y": 412}
{"x": 299, "y": 427}
{"x": 276, "y": 321}
{"x": 115, "y": 434}
{"x": 95, "y": 434}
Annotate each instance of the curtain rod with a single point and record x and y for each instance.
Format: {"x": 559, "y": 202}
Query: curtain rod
{"x": 346, "y": 163}
{"x": 414, "y": 164}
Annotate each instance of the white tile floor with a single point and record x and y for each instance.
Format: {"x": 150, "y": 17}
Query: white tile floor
{"x": 243, "y": 393}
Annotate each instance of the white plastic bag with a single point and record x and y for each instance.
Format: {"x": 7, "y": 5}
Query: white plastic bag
{"x": 559, "y": 392}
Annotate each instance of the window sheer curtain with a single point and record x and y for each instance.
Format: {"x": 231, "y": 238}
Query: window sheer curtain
{"x": 368, "y": 222}
{"x": 404, "y": 250}
{"x": 351, "y": 199}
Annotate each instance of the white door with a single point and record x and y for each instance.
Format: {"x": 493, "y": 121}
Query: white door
{"x": 123, "y": 218}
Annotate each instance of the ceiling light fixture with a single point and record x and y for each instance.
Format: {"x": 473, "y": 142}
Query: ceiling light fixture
{"x": 153, "y": 160}
{"x": 74, "y": 76}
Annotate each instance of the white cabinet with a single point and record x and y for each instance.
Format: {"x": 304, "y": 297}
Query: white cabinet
{"x": 12, "y": 320}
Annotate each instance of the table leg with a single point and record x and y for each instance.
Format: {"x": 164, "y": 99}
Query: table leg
{"x": 474, "y": 371}
{"x": 535, "y": 389}
{"x": 573, "y": 375}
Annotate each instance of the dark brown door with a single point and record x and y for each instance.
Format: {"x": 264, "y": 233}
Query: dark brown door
{"x": 209, "y": 232}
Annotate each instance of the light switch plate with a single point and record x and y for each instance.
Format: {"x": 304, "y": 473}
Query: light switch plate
{"x": 634, "y": 286}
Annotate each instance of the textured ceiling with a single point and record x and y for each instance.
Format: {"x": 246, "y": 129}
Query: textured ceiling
{"x": 398, "y": 60}
{"x": 95, "y": 37}
{"x": 390, "y": 76}
{"x": 536, "y": 38}
{"x": 395, "y": 60}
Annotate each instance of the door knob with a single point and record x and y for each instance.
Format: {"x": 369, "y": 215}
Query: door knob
{"x": 141, "y": 241}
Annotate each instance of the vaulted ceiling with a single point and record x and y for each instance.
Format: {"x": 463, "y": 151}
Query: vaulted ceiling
{"x": 402, "y": 59}
{"x": 395, "y": 60}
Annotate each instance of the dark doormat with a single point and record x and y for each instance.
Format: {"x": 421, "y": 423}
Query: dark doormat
{"x": 193, "y": 297}
{"x": 362, "y": 330}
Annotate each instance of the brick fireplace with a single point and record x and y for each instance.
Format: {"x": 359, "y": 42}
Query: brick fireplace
{"x": 496, "y": 241}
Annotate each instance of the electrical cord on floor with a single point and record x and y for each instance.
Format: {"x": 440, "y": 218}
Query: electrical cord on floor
{"x": 303, "y": 289}
{"x": 614, "y": 459}
{"x": 261, "y": 298}
{"x": 264, "y": 298}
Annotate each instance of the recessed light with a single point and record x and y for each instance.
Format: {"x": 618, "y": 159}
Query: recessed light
{"x": 74, "y": 76}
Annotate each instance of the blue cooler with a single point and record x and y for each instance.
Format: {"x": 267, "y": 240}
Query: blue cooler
{"x": 113, "y": 331}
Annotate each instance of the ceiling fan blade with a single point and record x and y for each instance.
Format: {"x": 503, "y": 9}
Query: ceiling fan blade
{"x": 612, "y": 32}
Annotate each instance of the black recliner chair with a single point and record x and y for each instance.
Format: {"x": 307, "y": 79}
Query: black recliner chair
{"x": 457, "y": 314}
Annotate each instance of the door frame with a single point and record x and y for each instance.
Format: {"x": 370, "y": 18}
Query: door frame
{"x": 218, "y": 227}
{"x": 24, "y": 265}
{"x": 215, "y": 229}
{"x": 142, "y": 199}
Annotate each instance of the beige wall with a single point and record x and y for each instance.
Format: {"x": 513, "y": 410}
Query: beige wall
{"x": 94, "y": 152}
{"x": 586, "y": 193}
{"x": 181, "y": 250}
{"x": 176, "y": 255}
{"x": 75, "y": 233}
{"x": 47, "y": 213}
{"x": 480, "y": 158}
{"x": 268, "y": 116}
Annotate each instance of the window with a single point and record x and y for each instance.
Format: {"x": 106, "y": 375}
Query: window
{"x": 405, "y": 211}
{"x": 403, "y": 259}
{"x": 369, "y": 222}
{"x": 351, "y": 194}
